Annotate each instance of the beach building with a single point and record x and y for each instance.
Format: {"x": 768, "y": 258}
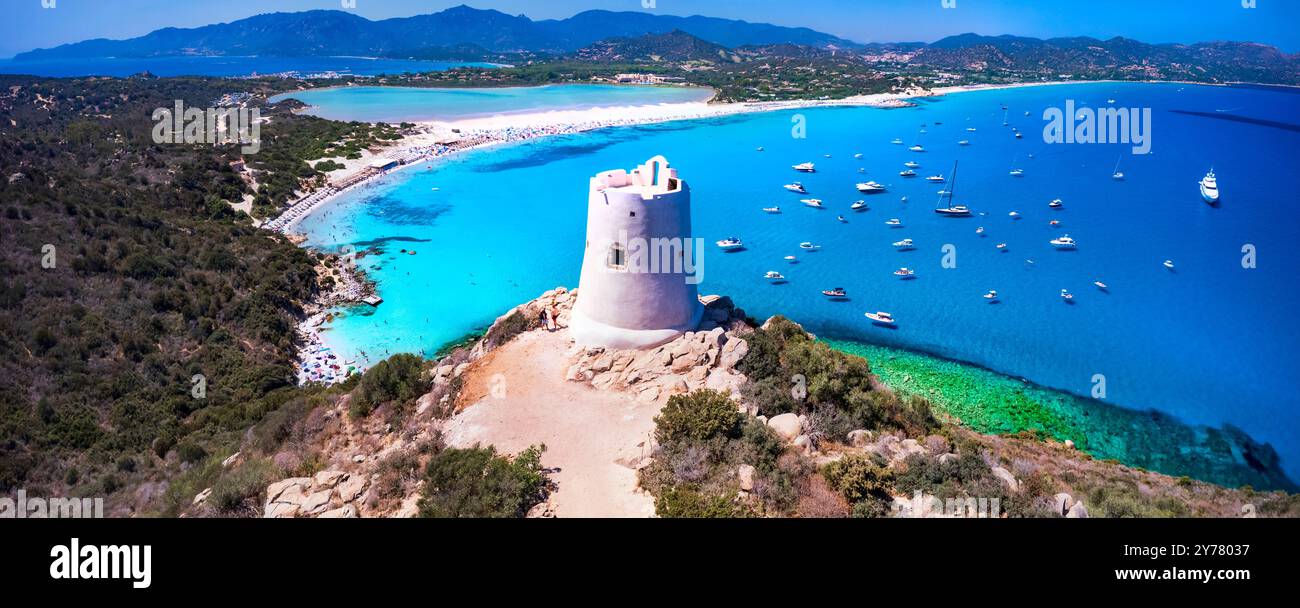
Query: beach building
{"x": 638, "y": 287}
{"x": 383, "y": 164}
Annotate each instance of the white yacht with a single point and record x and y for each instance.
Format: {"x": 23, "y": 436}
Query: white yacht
{"x": 815, "y": 203}
{"x": 881, "y": 318}
{"x": 1054, "y": 223}
{"x": 774, "y": 276}
{"x": 859, "y": 206}
{"x": 771, "y": 209}
{"x": 1017, "y": 173}
{"x": 1064, "y": 242}
{"x": 807, "y": 246}
{"x": 837, "y": 293}
{"x": 894, "y": 223}
{"x": 897, "y": 141}
{"x": 1210, "y": 187}
{"x": 1067, "y": 297}
{"x": 964, "y": 142}
{"x": 731, "y": 244}
{"x": 1056, "y": 203}
{"x": 991, "y": 296}
{"x": 1002, "y": 247}
{"x": 980, "y": 231}
{"x": 858, "y": 156}
{"x": 841, "y": 219}
{"x": 905, "y": 273}
{"x": 1015, "y": 215}
{"x": 1020, "y": 135}
{"x": 904, "y": 245}
{"x": 907, "y": 173}
{"x": 936, "y": 179}
{"x": 871, "y": 187}
{"x": 1101, "y": 286}
{"x": 791, "y": 259}
{"x": 1169, "y": 264}
{"x": 796, "y": 187}
{"x": 911, "y": 164}
{"x": 760, "y": 148}
{"x": 917, "y": 148}
{"x": 805, "y": 168}
{"x": 970, "y": 129}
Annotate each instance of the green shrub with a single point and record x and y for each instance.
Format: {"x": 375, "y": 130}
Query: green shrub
{"x": 237, "y": 485}
{"x": 190, "y": 452}
{"x": 701, "y": 415}
{"x": 683, "y": 502}
{"x": 476, "y": 482}
{"x": 859, "y": 477}
{"x": 398, "y": 380}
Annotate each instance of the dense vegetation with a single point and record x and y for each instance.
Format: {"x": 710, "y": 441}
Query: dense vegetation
{"x": 144, "y": 324}
{"x": 477, "y": 482}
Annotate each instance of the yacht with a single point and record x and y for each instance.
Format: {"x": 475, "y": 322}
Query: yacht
{"x": 858, "y": 156}
{"x": 894, "y": 223}
{"x": 991, "y": 296}
{"x": 792, "y": 259}
{"x": 950, "y": 209}
{"x": 964, "y": 142}
{"x": 1002, "y": 247}
{"x": 970, "y": 129}
{"x": 1067, "y": 296}
{"x": 980, "y": 231}
{"x": 815, "y": 203}
{"x": 907, "y": 173}
{"x": 1020, "y": 135}
{"x": 1110, "y": 101}
{"x": 1015, "y": 215}
{"x": 1210, "y": 187}
{"x": 1056, "y": 203}
{"x": 1026, "y": 113}
{"x": 774, "y": 276}
{"x": 917, "y": 148}
{"x": 731, "y": 244}
{"x": 796, "y": 187}
{"x": 859, "y": 206}
{"x": 897, "y": 142}
{"x": 826, "y": 155}
{"x": 911, "y": 164}
{"x": 771, "y": 209}
{"x": 936, "y": 179}
{"x": 807, "y": 246}
{"x": 805, "y": 168}
{"x": 881, "y": 318}
{"x": 1054, "y": 223}
{"x": 871, "y": 187}
{"x": 904, "y": 245}
{"x": 841, "y": 219}
{"x": 760, "y": 148}
{"x": 837, "y": 293}
{"x": 905, "y": 273}
{"x": 1017, "y": 173}
{"x": 1169, "y": 264}
{"x": 903, "y": 200}
{"x": 1064, "y": 242}
{"x": 1101, "y": 286}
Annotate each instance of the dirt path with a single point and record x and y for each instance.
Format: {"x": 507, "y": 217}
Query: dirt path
{"x": 587, "y": 432}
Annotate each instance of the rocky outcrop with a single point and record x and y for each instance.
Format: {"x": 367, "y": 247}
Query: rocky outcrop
{"x": 330, "y": 494}
{"x": 696, "y": 360}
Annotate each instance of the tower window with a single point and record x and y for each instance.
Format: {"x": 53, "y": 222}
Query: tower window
{"x": 631, "y": 214}
{"x": 617, "y": 257}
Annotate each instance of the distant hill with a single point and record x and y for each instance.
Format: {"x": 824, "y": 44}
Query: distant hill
{"x": 321, "y": 32}
{"x": 673, "y": 46}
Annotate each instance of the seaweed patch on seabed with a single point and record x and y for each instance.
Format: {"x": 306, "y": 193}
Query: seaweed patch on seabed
{"x": 989, "y": 402}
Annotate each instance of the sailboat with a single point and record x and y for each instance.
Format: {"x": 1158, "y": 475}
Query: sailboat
{"x": 1118, "y": 175}
{"x": 952, "y": 210}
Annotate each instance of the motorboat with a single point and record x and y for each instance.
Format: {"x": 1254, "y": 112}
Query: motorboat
{"x": 859, "y": 206}
{"x": 897, "y": 142}
{"x": 1015, "y": 215}
{"x": 774, "y": 277}
{"x": 881, "y": 318}
{"x": 1056, "y": 203}
{"x": 791, "y": 259}
{"x": 917, "y": 148}
{"x": 980, "y": 231}
{"x": 1067, "y": 297}
{"x": 1101, "y": 286}
{"x": 1020, "y": 135}
{"x": 841, "y": 219}
{"x": 837, "y": 293}
{"x": 1054, "y": 223}
{"x": 907, "y": 173}
{"x": 991, "y": 296}
{"x": 771, "y": 209}
{"x": 807, "y": 246}
{"x": 1017, "y": 173}
{"x": 911, "y": 164}
{"x": 858, "y": 156}
{"x": 760, "y": 148}
{"x": 935, "y": 179}
{"x": 1169, "y": 264}
{"x": 1064, "y": 242}
{"x": 894, "y": 223}
{"x": 796, "y": 187}
{"x": 805, "y": 168}
{"x": 970, "y": 129}
{"x": 904, "y": 245}
{"x": 1210, "y": 188}
{"x": 1002, "y": 247}
{"x": 815, "y": 203}
{"x": 905, "y": 273}
{"x": 964, "y": 142}
{"x": 871, "y": 187}
{"x": 731, "y": 244}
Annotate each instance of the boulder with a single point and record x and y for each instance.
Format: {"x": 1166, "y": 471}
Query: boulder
{"x": 317, "y": 502}
{"x": 1069, "y": 444}
{"x": 745, "y": 473}
{"x": 282, "y": 510}
{"x": 351, "y": 489}
{"x": 1078, "y": 511}
{"x": 229, "y": 462}
{"x": 859, "y": 438}
{"x": 328, "y": 479}
{"x": 343, "y": 512}
{"x": 1007, "y": 478}
{"x": 787, "y": 426}
{"x": 275, "y": 490}
{"x": 202, "y": 497}
{"x": 804, "y": 444}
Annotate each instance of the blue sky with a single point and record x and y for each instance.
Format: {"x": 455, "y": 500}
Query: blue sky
{"x": 27, "y": 25}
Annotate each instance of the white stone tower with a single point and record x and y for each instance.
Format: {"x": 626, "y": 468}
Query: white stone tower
{"x": 639, "y": 272}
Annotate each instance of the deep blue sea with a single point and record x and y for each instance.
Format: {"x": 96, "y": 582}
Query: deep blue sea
{"x": 1211, "y": 342}
{"x": 221, "y": 66}
{"x": 400, "y": 104}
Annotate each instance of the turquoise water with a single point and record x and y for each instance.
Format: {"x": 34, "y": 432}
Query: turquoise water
{"x": 397, "y": 104}
{"x": 1211, "y": 343}
{"x": 222, "y": 66}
